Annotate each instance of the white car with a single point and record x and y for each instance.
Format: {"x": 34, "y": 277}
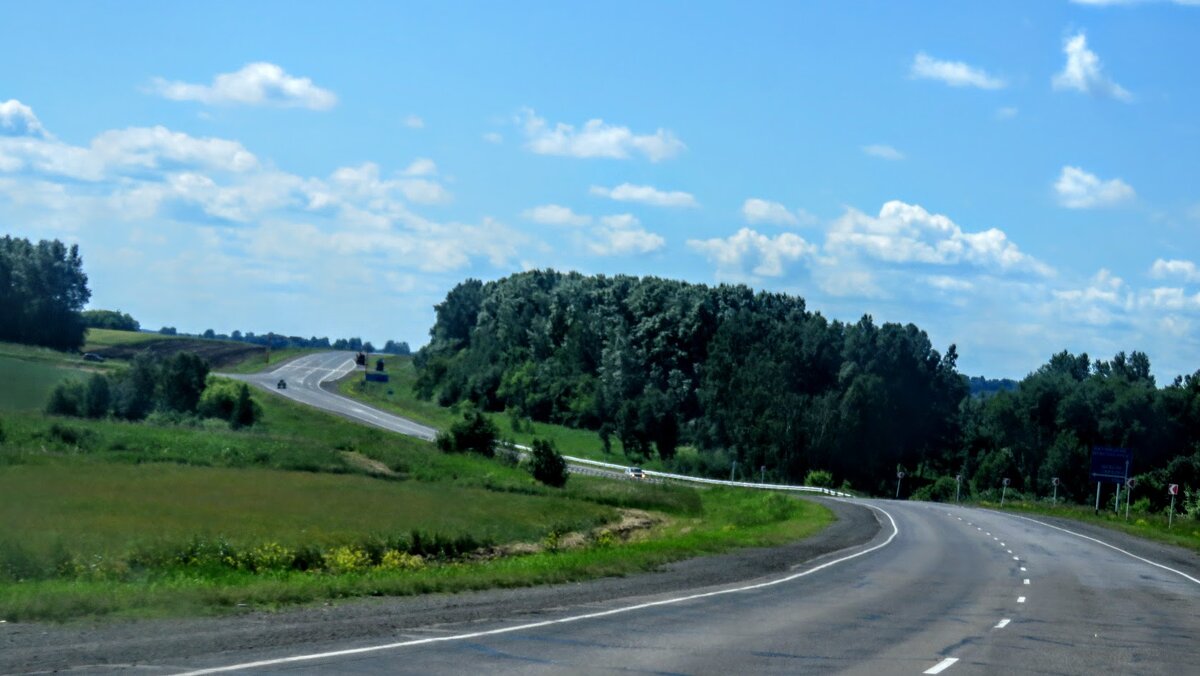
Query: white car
{"x": 635, "y": 473}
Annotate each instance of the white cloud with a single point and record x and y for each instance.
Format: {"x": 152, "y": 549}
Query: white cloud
{"x": 1082, "y": 72}
{"x": 1099, "y": 303}
{"x": 256, "y": 84}
{"x": 908, "y": 234}
{"x": 622, "y": 235}
{"x": 953, "y": 73}
{"x": 493, "y": 137}
{"x": 17, "y": 119}
{"x": 422, "y": 166}
{"x": 1186, "y": 271}
{"x": 762, "y": 255}
{"x": 596, "y": 139}
{"x": 554, "y": 214}
{"x": 1006, "y": 113}
{"x": 883, "y": 151}
{"x": 756, "y": 210}
{"x": 646, "y": 194}
{"x": 1077, "y": 189}
{"x": 414, "y": 122}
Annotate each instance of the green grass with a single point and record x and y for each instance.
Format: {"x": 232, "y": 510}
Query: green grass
{"x": 26, "y": 385}
{"x": 397, "y": 396}
{"x": 730, "y": 519}
{"x": 1184, "y": 531}
{"x": 98, "y": 339}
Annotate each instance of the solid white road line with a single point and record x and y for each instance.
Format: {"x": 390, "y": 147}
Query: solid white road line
{"x": 1102, "y": 542}
{"x": 564, "y": 620}
{"x": 1020, "y": 599}
{"x": 941, "y": 666}
{"x": 1002, "y": 623}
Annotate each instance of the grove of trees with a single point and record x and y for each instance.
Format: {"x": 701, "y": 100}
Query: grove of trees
{"x": 756, "y": 378}
{"x": 42, "y": 290}
{"x": 110, "y": 319}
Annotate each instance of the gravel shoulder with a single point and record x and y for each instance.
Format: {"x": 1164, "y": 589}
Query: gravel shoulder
{"x": 38, "y": 647}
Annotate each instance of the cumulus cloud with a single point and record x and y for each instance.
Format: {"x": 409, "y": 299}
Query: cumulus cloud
{"x": 554, "y": 214}
{"x": 1077, "y": 189}
{"x": 906, "y": 234}
{"x": 953, "y": 73}
{"x": 646, "y": 194}
{"x": 621, "y": 235}
{"x": 756, "y": 210}
{"x": 883, "y": 151}
{"x": 17, "y": 119}
{"x": 422, "y": 166}
{"x": 1083, "y": 72}
{"x": 1186, "y": 271}
{"x": 596, "y": 139}
{"x": 1099, "y": 303}
{"x": 750, "y": 251}
{"x": 493, "y": 137}
{"x": 256, "y": 84}
{"x": 414, "y": 122}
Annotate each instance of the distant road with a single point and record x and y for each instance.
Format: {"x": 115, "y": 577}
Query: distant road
{"x": 304, "y": 376}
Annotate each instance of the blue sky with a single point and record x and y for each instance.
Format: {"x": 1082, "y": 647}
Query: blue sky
{"x": 1017, "y": 178}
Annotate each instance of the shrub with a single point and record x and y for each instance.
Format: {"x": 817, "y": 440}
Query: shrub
{"x": 547, "y": 464}
{"x": 819, "y": 478}
{"x": 71, "y": 436}
{"x": 942, "y": 490}
{"x": 97, "y": 398}
{"x": 394, "y": 559}
{"x": 474, "y": 433}
{"x": 246, "y": 411}
{"x": 66, "y": 398}
{"x": 347, "y": 559}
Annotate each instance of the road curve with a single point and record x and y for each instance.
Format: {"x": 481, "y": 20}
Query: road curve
{"x": 304, "y": 376}
{"x": 941, "y": 589}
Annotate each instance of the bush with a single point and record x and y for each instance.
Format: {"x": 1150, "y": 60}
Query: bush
{"x": 547, "y": 464}
{"x": 819, "y": 478}
{"x": 66, "y": 398}
{"x": 97, "y": 398}
{"x": 475, "y": 433}
{"x": 942, "y": 490}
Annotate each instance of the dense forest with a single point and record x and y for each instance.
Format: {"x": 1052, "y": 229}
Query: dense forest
{"x": 759, "y": 379}
{"x": 42, "y": 290}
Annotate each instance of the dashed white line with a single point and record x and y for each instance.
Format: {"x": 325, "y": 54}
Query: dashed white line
{"x": 941, "y": 666}
{"x": 1015, "y": 558}
{"x": 1026, "y": 581}
{"x": 1009, "y": 551}
{"x": 996, "y": 539}
{"x": 1002, "y": 623}
{"x": 1003, "y": 545}
{"x": 1023, "y": 569}
{"x": 562, "y": 620}
{"x": 1020, "y": 599}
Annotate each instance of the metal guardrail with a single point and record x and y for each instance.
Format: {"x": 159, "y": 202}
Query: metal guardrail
{"x": 716, "y": 482}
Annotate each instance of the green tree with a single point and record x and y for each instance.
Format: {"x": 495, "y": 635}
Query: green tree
{"x": 183, "y": 379}
{"x": 97, "y": 397}
{"x": 110, "y": 319}
{"x": 245, "y": 411}
{"x": 546, "y": 464}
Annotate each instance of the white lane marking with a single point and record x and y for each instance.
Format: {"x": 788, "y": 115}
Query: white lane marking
{"x": 996, "y": 539}
{"x": 960, "y": 518}
{"x": 1002, "y": 623}
{"x": 1003, "y": 545}
{"x": 978, "y": 528}
{"x": 563, "y": 620}
{"x": 1026, "y": 581}
{"x": 1020, "y": 599}
{"x": 1102, "y": 542}
{"x": 1015, "y": 558}
{"x": 1009, "y": 551}
{"x": 986, "y": 533}
{"x": 941, "y": 666}
{"x": 1023, "y": 569}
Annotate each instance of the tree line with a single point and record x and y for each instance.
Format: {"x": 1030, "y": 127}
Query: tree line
{"x": 756, "y": 379}
{"x": 42, "y": 290}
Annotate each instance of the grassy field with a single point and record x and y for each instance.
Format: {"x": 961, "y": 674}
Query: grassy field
{"x": 1184, "y": 532}
{"x": 26, "y": 384}
{"x": 398, "y": 396}
{"x": 98, "y": 339}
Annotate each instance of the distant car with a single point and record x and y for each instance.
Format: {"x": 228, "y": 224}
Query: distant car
{"x": 635, "y": 473}
{"x": 92, "y": 356}
{"x": 281, "y": 385}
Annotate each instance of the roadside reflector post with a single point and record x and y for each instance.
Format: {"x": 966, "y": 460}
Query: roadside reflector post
{"x": 1097, "y": 497}
{"x": 1117, "y": 502}
{"x": 1004, "y": 492}
{"x": 1054, "y": 500}
{"x": 957, "y": 488}
{"x": 1173, "y": 489}
{"x": 1130, "y": 484}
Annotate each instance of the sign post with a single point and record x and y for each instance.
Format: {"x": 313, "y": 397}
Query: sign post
{"x": 1129, "y": 484}
{"x": 899, "y": 478}
{"x": 1054, "y": 500}
{"x": 1004, "y": 492}
{"x": 762, "y": 474}
{"x": 1111, "y": 464}
{"x": 1173, "y": 489}
{"x": 732, "y": 470}
{"x": 957, "y": 488}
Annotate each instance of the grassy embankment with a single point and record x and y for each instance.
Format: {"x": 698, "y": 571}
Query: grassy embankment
{"x": 1184, "y": 531}
{"x": 131, "y": 519}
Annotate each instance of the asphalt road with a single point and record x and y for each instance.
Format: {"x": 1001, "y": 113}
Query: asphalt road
{"x": 967, "y": 590}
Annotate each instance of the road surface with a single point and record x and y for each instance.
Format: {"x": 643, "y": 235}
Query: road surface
{"x": 941, "y": 589}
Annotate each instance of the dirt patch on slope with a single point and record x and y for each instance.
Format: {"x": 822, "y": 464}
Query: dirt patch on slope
{"x": 217, "y": 353}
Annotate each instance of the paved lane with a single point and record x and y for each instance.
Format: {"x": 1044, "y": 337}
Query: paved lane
{"x": 949, "y": 591}
{"x": 304, "y": 377}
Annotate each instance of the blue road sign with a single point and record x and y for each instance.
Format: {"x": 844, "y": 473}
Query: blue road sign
{"x": 376, "y": 377}
{"x": 1110, "y": 463}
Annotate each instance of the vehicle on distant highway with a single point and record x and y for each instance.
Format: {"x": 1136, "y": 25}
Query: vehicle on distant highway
{"x": 635, "y": 473}
{"x": 281, "y": 385}
{"x": 92, "y": 356}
